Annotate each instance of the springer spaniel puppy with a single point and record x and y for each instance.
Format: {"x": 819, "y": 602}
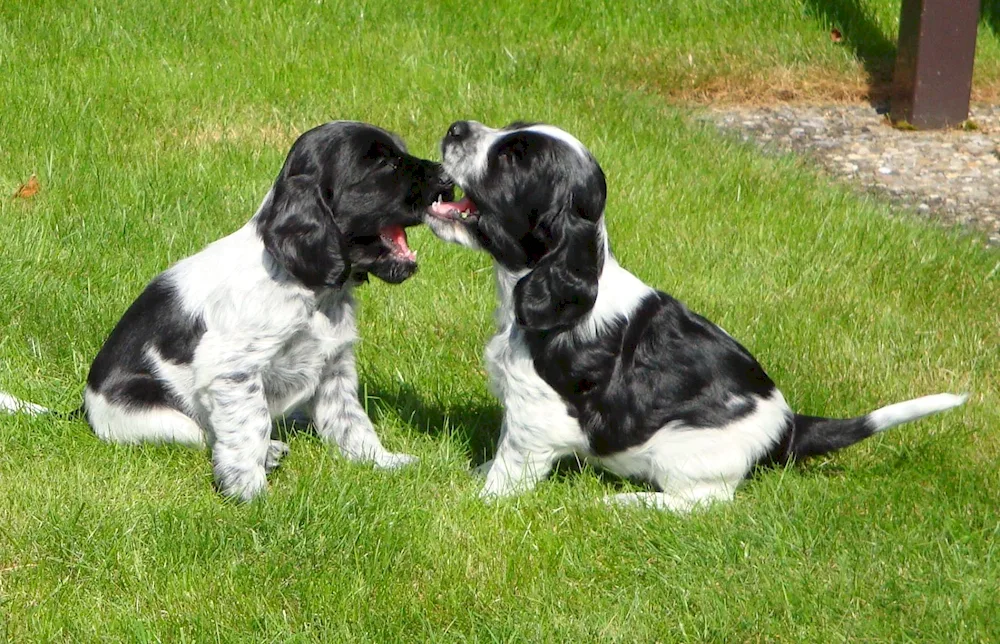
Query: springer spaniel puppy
{"x": 589, "y": 360}
{"x": 261, "y": 323}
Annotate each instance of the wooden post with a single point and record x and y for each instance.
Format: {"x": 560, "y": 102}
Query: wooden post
{"x": 933, "y": 78}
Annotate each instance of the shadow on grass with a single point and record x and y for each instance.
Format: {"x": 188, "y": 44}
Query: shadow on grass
{"x": 990, "y": 14}
{"x": 862, "y": 34}
{"x": 476, "y": 423}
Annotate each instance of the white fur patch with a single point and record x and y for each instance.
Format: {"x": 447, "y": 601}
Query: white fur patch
{"x": 687, "y": 461}
{"x": 11, "y": 404}
{"x": 487, "y": 136}
{"x": 903, "y": 412}
{"x": 452, "y": 231}
{"x": 114, "y": 424}
{"x": 619, "y": 293}
{"x": 560, "y": 135}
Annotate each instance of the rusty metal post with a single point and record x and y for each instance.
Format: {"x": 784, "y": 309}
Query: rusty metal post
{"x": 933, "y": 78}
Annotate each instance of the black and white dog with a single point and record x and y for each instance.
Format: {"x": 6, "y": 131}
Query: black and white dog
{"x": 261, "y": 323}
{"x": 589, "y": 360}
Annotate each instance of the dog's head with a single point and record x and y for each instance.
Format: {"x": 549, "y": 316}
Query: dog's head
{"x": 342, "y": 202}
{"x": 534, "y": 198}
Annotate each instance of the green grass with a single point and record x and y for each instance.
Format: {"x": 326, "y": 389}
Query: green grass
{"x": 155, "y": 128}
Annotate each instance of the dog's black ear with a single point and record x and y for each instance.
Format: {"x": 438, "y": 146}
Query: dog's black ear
{"x": 562, "y": 287}
{"x": 299, "y": 232}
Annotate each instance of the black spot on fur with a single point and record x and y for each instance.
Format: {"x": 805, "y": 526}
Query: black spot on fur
{"x": 122, "y": 371}
{"x": 662, "y": 364}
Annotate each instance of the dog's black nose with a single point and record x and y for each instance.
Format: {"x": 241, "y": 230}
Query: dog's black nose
{"x": 458, "y": 131}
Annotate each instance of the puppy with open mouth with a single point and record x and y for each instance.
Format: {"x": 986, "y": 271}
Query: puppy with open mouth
{"x": 589, "y": 360}
{"x": 262, "y": 323}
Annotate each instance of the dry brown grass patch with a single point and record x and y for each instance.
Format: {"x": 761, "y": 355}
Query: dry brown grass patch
{"x": 202, "y": 135}
{"x": 809, "y": 86}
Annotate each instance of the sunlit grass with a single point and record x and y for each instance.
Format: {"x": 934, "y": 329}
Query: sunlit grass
{"x": 157, "y": 128}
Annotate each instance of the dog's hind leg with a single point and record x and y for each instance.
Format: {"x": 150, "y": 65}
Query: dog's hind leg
{"x": 116, "y": 424}
{"x": 675, "y": 502}
{"x": 276, "y": 451}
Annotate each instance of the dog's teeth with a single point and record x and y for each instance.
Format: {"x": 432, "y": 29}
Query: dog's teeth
{"x": 463, "y": 215}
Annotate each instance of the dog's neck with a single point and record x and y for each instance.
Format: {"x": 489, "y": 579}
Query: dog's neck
{"x": 506, "y": 280}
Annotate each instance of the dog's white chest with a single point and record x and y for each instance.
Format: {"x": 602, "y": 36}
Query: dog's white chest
{"x": 534, "y": 410}
{"x": 297, "y": 369}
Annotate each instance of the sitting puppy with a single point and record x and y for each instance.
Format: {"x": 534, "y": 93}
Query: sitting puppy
{"x": 261, "y": 323}
{"x": 589, "y": 360}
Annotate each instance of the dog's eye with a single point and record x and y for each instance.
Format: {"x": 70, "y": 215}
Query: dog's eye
{"x": 390, "y": 162}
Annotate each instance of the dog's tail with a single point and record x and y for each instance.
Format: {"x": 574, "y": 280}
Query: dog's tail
{"x": 813, "y": 436}
{"x": 13, "y": 405}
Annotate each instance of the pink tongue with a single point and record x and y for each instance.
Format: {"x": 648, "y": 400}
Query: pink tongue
{"x": 397, "y": 236}
{"x": 452, "y": 208}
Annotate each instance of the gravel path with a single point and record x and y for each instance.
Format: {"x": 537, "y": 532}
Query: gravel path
{"x": 952, "y": 176}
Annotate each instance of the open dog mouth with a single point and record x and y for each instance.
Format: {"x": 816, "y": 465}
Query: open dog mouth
{"x": 394, "y": 236}
{"x": 462, "y": 210}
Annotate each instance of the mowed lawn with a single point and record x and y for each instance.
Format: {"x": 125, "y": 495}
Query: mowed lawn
{"x": 155, "y": 128}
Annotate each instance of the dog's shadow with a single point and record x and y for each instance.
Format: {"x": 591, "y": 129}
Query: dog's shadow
{"x": 474, "y": 423}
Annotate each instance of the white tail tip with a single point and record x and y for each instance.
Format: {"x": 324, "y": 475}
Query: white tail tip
{"x": 910, "y": 410}
{"x": 14, "y": 405}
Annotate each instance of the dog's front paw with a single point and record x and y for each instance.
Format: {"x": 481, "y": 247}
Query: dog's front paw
{"x": 276, "y": 451}
{"x": 483, "y": 469}
{"x": 390, "y": 461}
{"x": 241, "y": 484}
{"x": 490, "y": 495}
{"x": 500, "y": 486}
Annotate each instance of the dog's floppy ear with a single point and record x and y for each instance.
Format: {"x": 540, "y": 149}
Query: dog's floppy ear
{"x": 299, "y": 232}
{"x": 562, "y": 288}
